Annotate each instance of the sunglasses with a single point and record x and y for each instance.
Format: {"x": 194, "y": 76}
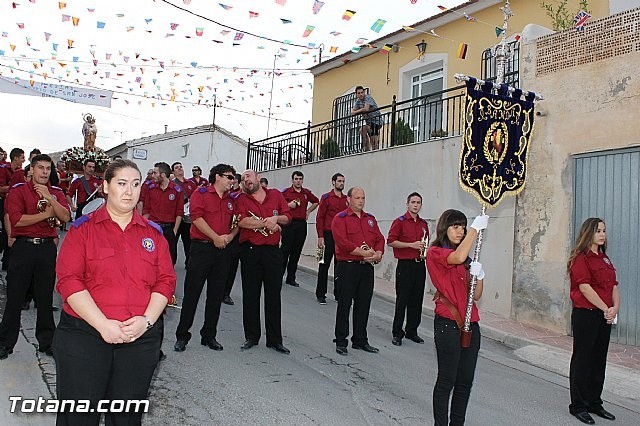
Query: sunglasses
{"x": 196, "y": 170}
{"x": 230, "y": 177}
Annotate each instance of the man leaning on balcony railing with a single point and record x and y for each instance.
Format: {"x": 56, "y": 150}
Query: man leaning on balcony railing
{"x": 366, "y": 105}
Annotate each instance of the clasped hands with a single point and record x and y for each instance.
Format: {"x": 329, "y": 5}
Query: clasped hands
{"x": 117, "y": 332}
{"x": 271, "y": 223}
{"x": 610, "y": 314}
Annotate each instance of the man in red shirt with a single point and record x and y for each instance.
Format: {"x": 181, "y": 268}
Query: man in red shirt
{"x": 65, "y": 178}
{"x": 356, "y": 252}
{"x": 212, "y": 210}
{"x": 409, "y": 236}
{"x": 3, "y": 157}
{"x": 262, "y": 212}
{"x": 85, "y": 188}
{"x": 197, "y": 178}
{"x": 33, "y": 254}
{"x": 164, "y": 205}
{"x": 185, "y": 226}
{"x": 234, "y": 246}
{"x": 301, "y": 202}
{"x": 331, "y": 204}
{"x": 17, "y": 159}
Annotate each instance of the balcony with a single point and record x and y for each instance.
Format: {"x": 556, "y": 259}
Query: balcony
{"x": 416, "y": 120}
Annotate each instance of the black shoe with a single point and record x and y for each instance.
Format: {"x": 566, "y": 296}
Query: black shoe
{"x": 322, "y": 300}
{"x": 25, "y": 306}
{"x": 227, "y": 300}
{"x": 415, "y": 338}
{"x": 211, "y": 343}
{"x": 278, "y": 348}
{"x": 46, "y": 350}
{"x": 5, "y": 352}
{"x": 601, "y": 412}
{"x": 397, "y": 341}
{"x": 180, "y": 346}
{"x": 293, "y": 283}
{"x": 584, "y": 417}
{"x": 342, "y": 350}
{"x": 366, "y": 347}
{"x": 162, "y": 356}
{"x": 248, "y": 344}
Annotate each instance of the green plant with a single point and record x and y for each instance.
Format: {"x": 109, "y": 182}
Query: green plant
{"x": 440, "y": 133}
{"x": 403, "y": 133}
{"x": 329, "y": 149}
{"x": 561, "y": 19}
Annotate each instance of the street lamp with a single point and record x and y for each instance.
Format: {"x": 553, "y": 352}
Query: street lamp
{"x": 422, "y": 49}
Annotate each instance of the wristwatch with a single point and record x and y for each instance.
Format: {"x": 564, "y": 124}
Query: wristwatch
{"x": 149, "y": 325}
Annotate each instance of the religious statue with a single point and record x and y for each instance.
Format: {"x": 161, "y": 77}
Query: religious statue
{"x": 89, "y": 131}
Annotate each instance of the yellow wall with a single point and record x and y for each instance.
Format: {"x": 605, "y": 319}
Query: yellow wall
{"x": 371, "y": 71}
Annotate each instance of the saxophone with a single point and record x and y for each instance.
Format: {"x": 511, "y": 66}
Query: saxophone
{"x": 425, "y": 241}
{"x": 41, "y": 206}
{"x": 320, "y": 255}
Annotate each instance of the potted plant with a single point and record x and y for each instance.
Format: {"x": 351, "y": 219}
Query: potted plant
{"x": 329, "y": 149}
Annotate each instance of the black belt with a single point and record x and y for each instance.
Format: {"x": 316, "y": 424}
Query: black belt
{"x": 202, "y": 241}
{"x": 299, "y": 220}
{"x": 35, "y": 240}
{"x": 417, "y": 260}
{"x": 166, "y": 225}
{"x": 359, "y": 262}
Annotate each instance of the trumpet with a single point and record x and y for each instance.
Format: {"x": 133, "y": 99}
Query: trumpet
{"x": 365, "y": 246}
{"x": 320, "y": 255}
{"x": 425, "y": 240}
{"x": 297, "y": 202}
{"x": 262, "y": 230}
{"x": 42, "y": 205}
{"x": 173, "y": 303}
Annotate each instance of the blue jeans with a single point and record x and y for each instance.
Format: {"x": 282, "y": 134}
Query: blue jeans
{"x": 456, "y": 367}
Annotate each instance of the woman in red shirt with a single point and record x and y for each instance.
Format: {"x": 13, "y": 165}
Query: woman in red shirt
{"x": 449, "y": 267}
{"x": 115, "y": 277}
{"x": 596, "y": 301}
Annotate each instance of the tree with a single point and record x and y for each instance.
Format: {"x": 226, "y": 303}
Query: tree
{"x": 561, "y": 19}
{"x": 403, "y": 133}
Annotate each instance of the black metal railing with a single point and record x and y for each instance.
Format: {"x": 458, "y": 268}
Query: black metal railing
{"x": 489, "y": 67}
{"x": 420, "y": 119}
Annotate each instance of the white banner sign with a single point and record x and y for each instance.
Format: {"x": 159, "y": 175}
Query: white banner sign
{"x": 68, "y": 93}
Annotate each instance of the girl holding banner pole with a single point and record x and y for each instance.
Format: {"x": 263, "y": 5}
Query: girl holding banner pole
{"x": 449, "y": 267}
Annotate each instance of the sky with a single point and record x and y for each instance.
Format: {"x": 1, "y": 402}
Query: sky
{"x": 169, "y": 61}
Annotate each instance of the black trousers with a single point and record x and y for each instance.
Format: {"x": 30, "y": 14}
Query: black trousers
{"x": 206, "y": 263}
{"x": 456, "y": 368}
{"x": 167, "y": 231}
{"x": 355, "y": 281}
{"x": 323, "y": 268}
{"x": 234, "y": 246}
{"x": 261, "y": 265}
{"x": 410, "y": 278}
{"x": 29, "y": 262}
{"x": 293, "y": 237}
{"x": 88, "y": 368}
{"x": 184, "y": 232}
{"x": 591, "y": 335}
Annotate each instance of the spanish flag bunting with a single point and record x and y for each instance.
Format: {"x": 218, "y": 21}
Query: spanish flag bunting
{"x": 61, "y": 5}
{"x": 75, "y": 21}
{"x": 308, "y": 31}
{"x": 462, "y": 51}
{"x": 348, "y": 14}
{"x": 69, "y": 43}
{"x": 377, "y": 26}
{"x": 386, "y": 48}
{"x": 333, "y": 49}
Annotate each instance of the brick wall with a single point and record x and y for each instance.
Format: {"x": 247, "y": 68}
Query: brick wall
{"x": 613, "y": 36}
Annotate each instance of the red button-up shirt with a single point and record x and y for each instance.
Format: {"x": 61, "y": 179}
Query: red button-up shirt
{"x": 330, "y": 205}
{"x": 78, "y": 188}
{"x": 451, "y": 281}
{"x": 274, "y": 204}
{"x": 305, "y": 197}
{"x": 5, "y": 177}
{"x": 216, "y": 211}
{"x": 187, "y": 186}
{"x": 350, "y": 232}
{"x": 199, "y": 183}
{"x": 17, "y": 177}
{"x": 120, "y": 269}
{"x": 595, "y": 270}
{"x": 407, "y": 230}
{"x": 163, "y": 206}
{"x": 23, "y": 199}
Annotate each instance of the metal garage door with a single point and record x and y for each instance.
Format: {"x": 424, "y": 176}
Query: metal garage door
{"x": 606, "y": 185}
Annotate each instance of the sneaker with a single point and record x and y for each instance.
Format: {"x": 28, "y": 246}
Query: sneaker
{"x": 322, "y": 300}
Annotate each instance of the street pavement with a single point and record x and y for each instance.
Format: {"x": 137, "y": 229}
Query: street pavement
{"x": 314, "y": 385}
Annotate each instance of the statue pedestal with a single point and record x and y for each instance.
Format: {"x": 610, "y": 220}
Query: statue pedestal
{"x": 74, "y": 159}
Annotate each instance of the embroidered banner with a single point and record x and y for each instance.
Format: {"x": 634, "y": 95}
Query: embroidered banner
{"x": 495, "y": 143}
